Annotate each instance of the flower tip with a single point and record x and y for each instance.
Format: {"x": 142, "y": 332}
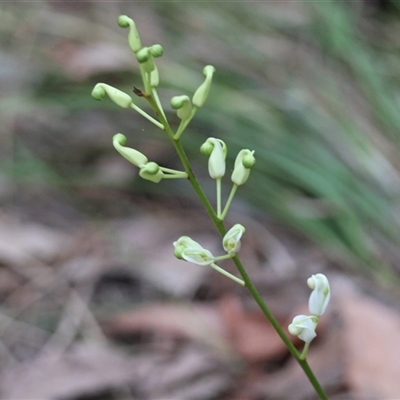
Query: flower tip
{"x": 156, "y": 50}
{"x": 119, "y": 138}
{"x": 124, "y": 21}
{"x": 143, "y": 55}
{"x": 249, "y": 160}
{"x": 98, "y": 92}
{"x": 208, "y": 70}
{"x": 178, "y": 102}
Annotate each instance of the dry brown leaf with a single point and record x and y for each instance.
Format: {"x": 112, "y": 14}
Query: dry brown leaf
{"x": 371, "y": 335}
{"x": 249, "y": 332}
{"x": 199, "y": 323}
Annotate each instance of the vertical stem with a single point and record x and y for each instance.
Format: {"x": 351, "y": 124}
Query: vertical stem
{"x": 218, "y": 185}
{"x": 218, "y": 222}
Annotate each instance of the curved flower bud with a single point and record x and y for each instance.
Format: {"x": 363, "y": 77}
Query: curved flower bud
{"x": 216, "y": 149}
{"x": 182, "y": 243}
{"x": 189, "y": 250}
{"x": 132, "y": 155}
{"x": 156, "y": 50}
{"x": 133, "y": 38}
{"x": 244, "y": 161}
{"x": 145, "y": 58}
{"x": 183, "y": 105}
{"x": 231, "y": 240}
{"x": 320, "y": 294}
{"x": 152, "y": 172}
{"x": 201, "y": 94}
{"x": 117, "y": 96}
{"x": 303, "y": 327}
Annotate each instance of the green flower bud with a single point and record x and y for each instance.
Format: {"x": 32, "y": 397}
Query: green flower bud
{"x": 217, "y": 156}
{"x": 156, "y": 50}
{"x": 132, "y": 155}
{"x": 241, "y": 171}
{"x": 143, "y": 55}
{"x": 201, "y": 94}
{"x": 145, "y": 58}
{"x": 151, "y": 172}
{"x": 133, "y": 37}
{"x": 249, "y": 160}
{"x": 117, "y": 96}
{"x": 206, "y": 148}
{"x": 183, "y": 105}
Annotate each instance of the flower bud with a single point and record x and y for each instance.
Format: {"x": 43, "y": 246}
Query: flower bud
{"x": 303, "y": 327}
{"x": 182, "y": 243}
{"x": 151, "y": 172}
{"x": 231, "y": 240}
{"x": 156, "y": 50}
{"x": 320, "y": 294}
{"x": 191, "y": 251}
{"x": 145, "y": 58}
{"x": 244, "y": 161}
{"x": 132, "y": 155}
{"x": 143, "y": 55}
{"x": 133, "y": 37}
{"x": 201, "y": 94}
{"x": 183, "y": 105}
{"x": 216, "y": 161}
{"x": 117, "y": 96}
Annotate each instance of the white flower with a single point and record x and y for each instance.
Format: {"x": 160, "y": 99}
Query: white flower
{"x": 231, "y": 240}
{"x": 244, "y": 161}
{"x": 303, "y": 327}
{"x": 216, "y": 150}
{"x": 189, "y": 250}
{"x": 320, "y": 294}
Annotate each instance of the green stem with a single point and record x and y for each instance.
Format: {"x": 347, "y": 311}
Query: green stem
{"x": 227, "y": 274}
{"x": 147, "y": 116}
{"x": 218, "y": 222}
{"x": 218, "y": 182}
{"x": 229, "y": 201}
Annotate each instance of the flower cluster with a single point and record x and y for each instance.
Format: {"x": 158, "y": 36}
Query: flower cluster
{"x": 186, "y": 107}
{"x": 191, "y": 251}
{"x": 303, "y": 326}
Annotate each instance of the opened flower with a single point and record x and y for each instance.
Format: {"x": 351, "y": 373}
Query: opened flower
{"x": 303, "y": 327}
{"x": 320, "y": 295}
{"x": 231, "y": 241}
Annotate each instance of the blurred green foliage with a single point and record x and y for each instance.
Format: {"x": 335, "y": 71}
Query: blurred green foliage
{"x": 313, "y": 87}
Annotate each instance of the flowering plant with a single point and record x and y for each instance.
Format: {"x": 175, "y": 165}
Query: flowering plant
{"x": 216, "y": 150}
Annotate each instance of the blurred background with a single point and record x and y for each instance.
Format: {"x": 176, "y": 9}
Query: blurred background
{"x": 93, "y": 303}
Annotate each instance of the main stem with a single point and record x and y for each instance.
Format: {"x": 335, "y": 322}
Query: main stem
{"x": 222, "y": 231}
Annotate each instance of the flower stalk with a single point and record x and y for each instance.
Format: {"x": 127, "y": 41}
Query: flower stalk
{"x": 186, "y": 248}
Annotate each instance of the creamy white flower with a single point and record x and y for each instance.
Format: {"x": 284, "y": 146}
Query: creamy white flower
{"x": 244, "y": 162}
{"x": 320, "y": 294}
{"x": 231, "y": 241}
{"x": 189, "y": 250}
{"x": 303, "y": 327}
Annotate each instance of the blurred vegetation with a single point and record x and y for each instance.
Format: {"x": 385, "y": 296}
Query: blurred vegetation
{"x": 313, "y": 87}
